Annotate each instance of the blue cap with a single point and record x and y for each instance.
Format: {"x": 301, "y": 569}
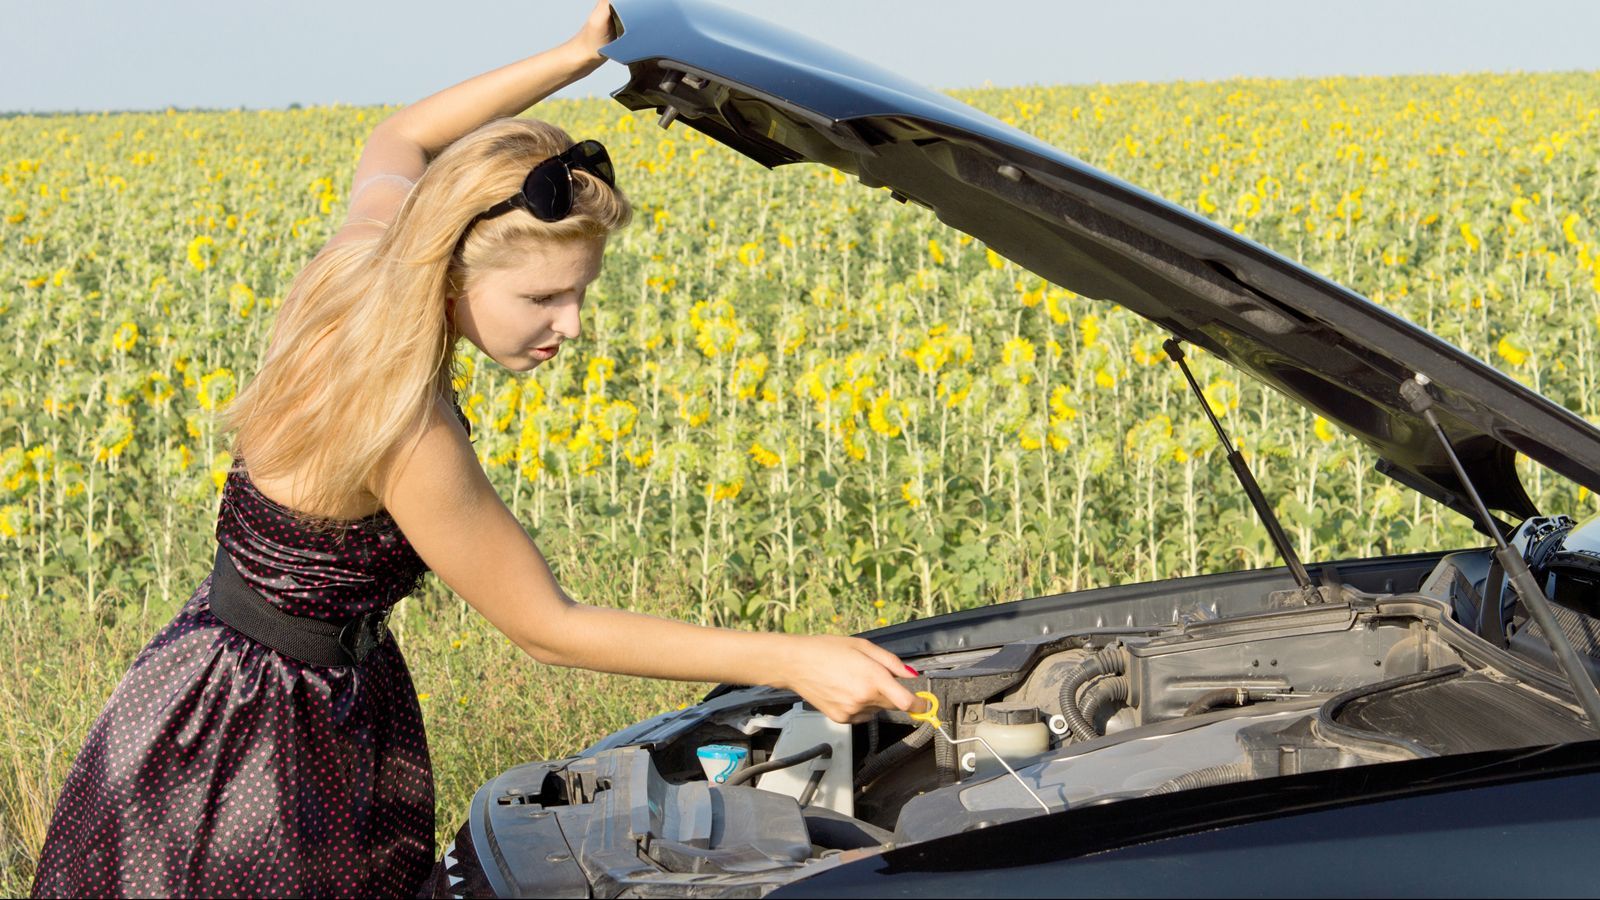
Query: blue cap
{"x": 729, "y": 755}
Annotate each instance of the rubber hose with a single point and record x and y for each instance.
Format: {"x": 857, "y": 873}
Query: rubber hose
{"x": 745, "y": 774}
{"x": 811, "y": 786}
{"x": 1227, "y": 773}
{"x": 944, "y": 760}
{"x": 894, "y": 754}
{"x": 1106, "y": 690}
{"x": 1108, "y": 661}
{"x": 897, "y": 716}
{"x": 1217, "y": 699}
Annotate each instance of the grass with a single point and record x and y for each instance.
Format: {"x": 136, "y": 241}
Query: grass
{"x": 488, "y": 706}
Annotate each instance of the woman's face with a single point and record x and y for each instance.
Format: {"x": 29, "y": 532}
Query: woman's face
{"x": 519, "y": 316}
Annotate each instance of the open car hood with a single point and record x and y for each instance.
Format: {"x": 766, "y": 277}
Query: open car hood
{"x": 779, "y": 98}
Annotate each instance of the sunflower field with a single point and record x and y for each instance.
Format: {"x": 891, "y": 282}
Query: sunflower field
{"x": 793, "y": 393}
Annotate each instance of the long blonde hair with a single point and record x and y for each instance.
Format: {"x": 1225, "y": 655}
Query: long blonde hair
{"x": 362, "y": 344}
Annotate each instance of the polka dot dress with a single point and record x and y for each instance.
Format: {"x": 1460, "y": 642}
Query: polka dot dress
{"x": 222, "y": 768}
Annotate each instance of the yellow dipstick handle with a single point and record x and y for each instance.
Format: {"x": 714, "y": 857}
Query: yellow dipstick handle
{"x": 931, "y": 716}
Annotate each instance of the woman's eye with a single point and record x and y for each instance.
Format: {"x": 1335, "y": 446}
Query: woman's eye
{"x": 541, "y": 299}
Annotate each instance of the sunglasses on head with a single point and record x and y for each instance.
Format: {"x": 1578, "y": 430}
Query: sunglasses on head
{"x": 547, "y": 191}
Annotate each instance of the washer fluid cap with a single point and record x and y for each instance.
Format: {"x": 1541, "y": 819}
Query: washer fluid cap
{"x": 1011, "y": 714}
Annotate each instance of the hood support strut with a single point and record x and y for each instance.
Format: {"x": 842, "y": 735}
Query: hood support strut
{"x": 1415, "y": 392}
{"x": 1280, "y": 539}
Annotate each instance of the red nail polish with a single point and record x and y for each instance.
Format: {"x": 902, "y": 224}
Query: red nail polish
{"x": 911, "y": 670}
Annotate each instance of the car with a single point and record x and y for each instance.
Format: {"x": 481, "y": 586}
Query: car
{"x": 1417, "y": 723}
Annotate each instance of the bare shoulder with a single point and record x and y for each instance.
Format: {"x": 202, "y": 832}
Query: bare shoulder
{"x": 438, "y": 458}
{"x": 454, "y": 519}
{"x": 439, "y": 495}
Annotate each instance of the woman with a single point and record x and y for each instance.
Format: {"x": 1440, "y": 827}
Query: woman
{"x": 237, "y": 756}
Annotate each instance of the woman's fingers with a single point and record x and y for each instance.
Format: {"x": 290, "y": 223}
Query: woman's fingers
{"x": 918, "y": 706}
{"x": 893, "y": 663}
{"x": 596, "y": 31}
{"x": 892, "y": 690}
{"x": 896, "y": 693}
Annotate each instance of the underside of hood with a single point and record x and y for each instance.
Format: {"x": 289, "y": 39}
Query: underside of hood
{"x": 781, "y": 98}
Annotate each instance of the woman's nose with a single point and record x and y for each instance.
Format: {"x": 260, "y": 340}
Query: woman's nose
{"x": 568, "y": 321}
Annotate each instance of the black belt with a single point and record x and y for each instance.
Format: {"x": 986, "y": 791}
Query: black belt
{"x": 315, "y": 641}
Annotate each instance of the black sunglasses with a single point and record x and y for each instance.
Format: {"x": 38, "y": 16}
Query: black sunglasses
{"x": 547, "y": 191}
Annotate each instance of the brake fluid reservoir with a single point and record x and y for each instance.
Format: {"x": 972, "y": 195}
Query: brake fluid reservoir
{"x": 1015, "y": 733}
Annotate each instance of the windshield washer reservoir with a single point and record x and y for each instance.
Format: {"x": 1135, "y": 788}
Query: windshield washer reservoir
{"x": 802, "y": 729}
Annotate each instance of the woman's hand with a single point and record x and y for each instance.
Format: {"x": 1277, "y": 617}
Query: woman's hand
{"x": 584, "y": 46}
{"x": 847, "y": 679}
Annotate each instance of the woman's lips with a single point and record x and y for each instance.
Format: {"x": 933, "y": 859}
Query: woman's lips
{"x": 544, "y": 353}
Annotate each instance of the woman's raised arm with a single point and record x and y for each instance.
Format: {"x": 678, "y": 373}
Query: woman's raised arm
{"x": 399, "y": 148}
{"x": 435, "y": 121}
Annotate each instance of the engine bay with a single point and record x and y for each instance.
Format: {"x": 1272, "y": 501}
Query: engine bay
{"x": 752, "y": 789}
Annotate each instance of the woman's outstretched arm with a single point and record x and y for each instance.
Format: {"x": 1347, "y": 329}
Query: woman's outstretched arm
{"x": 454, "y": 519}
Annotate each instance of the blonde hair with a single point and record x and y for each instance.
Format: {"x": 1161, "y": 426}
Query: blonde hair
{"x": 363, "y": 345}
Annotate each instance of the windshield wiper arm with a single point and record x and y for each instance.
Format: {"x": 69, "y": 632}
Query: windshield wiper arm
{"x": 1275, "y": 530}
{"x": 1415, "y": 392}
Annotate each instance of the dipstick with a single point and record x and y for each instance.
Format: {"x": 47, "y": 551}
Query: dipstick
{"x": 931, "y": 716}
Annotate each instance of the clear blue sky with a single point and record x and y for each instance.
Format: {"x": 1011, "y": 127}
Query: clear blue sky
{"x": 61, "y": 55}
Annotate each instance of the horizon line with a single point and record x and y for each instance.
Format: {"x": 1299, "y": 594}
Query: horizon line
{"x": 296, "y": 106}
